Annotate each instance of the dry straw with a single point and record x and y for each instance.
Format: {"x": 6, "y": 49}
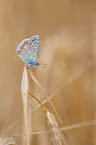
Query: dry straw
{"x": 38, "y": 84}
{"x": 56, "y": 135}
{"x": 25, "y": 99}
{"x": 6, "y": 141}
{"x": 54, "y": 129}
{"x": 24, "y": 90}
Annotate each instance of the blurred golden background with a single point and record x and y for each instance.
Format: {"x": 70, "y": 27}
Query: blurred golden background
{"x": 67, "y": 30}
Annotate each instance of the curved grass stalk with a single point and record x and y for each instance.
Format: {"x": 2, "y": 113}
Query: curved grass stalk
{"x": 67, "y": 81}
{"x": 72, "y": 77}
{"x": 56, "y": 135}
{"x": 38, "y": 84}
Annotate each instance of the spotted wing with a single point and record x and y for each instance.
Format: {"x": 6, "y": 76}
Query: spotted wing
{"x": 28, "y": 49}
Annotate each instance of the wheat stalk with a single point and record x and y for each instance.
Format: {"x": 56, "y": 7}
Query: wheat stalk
{"x": 24, "y": 89}
{"x": 72, "y": 77}
{"x": 56, "y": 135}
{"x": 38, "y": 84}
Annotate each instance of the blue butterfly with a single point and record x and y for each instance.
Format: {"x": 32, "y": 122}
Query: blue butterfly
{"x": 28, "y": 50}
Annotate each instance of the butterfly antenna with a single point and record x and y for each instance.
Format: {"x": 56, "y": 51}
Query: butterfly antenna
{"x": 43, "y": 64}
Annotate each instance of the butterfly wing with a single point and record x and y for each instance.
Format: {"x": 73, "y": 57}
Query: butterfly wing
{"x": 28, "y": 49}
{"x": 35, "y": 40}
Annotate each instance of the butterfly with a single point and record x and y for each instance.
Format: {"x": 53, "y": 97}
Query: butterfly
{"x": 28, "y": 51}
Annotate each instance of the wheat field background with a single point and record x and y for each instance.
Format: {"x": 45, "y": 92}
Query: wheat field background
{"x": 67, "y": 30}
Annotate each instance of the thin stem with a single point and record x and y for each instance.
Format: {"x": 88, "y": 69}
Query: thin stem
{"x": 24, "y": 88}
{"x": 73, "y": 126}
{"x": 77, "y": 125}
{"x": 71, "y": 78}
{"x": 38, "y": 101}
{"x": 12, "y": 125}
{"x": 38, "y": 84}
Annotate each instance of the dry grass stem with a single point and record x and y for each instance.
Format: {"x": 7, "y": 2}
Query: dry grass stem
{"x": 79, "y": 125}
{"x": 56, "y": 134}
{"x": 6, "y": 141}
{"x": 24, "y": 89}
{"x": 38, "y": 101}
{"x": 38, "y": 84}
{"x": 54, "y": 127}
{"x": 65, "y": 128}
{"x": 94, "y": 54}
{"x": 72, "y": 77}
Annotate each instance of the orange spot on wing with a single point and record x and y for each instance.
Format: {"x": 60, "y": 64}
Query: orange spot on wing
{"x": 30, "y": 43}
{"x": 21, "y": 47}
{"x": 27, "y": 42}
{"x": 19, "y": 51}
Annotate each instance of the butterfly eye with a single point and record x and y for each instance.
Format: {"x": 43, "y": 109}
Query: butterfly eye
{"x": 37, "y": 63}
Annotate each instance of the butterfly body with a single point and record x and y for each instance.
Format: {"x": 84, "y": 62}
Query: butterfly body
{"x": 33, "y": 64}
{"x": 28, "y": 50}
